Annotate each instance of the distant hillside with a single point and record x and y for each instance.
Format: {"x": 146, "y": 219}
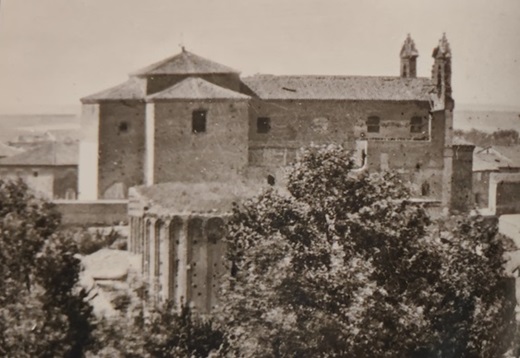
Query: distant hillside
{"x": 486, "y": 120}
{"x": 12, "y": 126}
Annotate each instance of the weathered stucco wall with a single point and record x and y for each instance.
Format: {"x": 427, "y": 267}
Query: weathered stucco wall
{"x": 508, "y": 197}
{"x": 121, "y": 148}
{"x": 58, "y": 182}
{"x": 219, "y": 153}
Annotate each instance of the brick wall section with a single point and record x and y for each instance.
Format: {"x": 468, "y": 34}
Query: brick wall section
{"x": 218, "y": 154}
{"x": 121, "y": 152}
{"x": 462, "y": 179}
{"x": 296, "y": 124}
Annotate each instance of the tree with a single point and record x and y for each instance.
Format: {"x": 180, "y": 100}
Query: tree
{"x": 345, "y": 265}
{"x": 42, "y": 311}
{"x": 162, "y": 333}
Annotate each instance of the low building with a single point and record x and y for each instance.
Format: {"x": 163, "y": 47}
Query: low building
{"x": 496, "y": 179}
{"x": 50, "y": 170}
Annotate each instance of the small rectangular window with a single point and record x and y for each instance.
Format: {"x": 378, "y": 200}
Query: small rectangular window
{"x": 198, "y": 121}
{"x": 416, "y": 125}
{"x": 373, "y": 124}
{"x": 263, "y": 125}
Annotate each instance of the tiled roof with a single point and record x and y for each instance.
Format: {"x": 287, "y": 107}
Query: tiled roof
{"x": 52, "y": 153}
{"x": 196, "y": 88}
{"x": 512, "y": 153}
{"x": 133, "y": 89}
{"x": 183, "y": 64}
{"x": 179, "y": 198}
{"x": 496, "y": 157}
{"x": 7, "y": 151}
{"x": 339, "y": 88}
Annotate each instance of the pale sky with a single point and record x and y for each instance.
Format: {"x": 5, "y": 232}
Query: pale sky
{"x": 54, "y": 52}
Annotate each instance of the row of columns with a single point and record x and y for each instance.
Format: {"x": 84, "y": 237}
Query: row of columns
{"x": 182, "y": 257}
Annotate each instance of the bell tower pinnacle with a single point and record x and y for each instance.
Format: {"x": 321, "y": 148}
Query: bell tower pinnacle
{"x": 409, "y": 56}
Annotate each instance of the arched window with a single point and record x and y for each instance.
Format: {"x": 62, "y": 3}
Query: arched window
{"x": 416, "y": 125}
{"x": 373, "y": 124}
{"x": 425, "y": 189}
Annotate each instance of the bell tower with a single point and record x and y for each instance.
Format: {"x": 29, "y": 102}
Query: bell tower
{"x": 409, "y": 56}
{"x": 441, "y": 72}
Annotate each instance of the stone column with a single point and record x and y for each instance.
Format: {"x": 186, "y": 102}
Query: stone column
{"x": 89, "y": 152}
{"x": 150, "y": 143}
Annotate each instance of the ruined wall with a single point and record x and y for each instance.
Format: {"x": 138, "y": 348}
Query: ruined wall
{"x": 121, "y": 148}
{"x": 219, "y": 153}
{"x": 161, "y": 82}
{"x": 182, "y": 257}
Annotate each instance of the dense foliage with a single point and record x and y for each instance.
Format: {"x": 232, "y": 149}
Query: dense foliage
{"x": 162, "y": 332}
{"x": 42, "y": 311}
{"x": 345, "y": 265}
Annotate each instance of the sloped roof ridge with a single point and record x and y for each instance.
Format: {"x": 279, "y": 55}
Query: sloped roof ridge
{"x": 339, "y": 76}
{"x": 184, "y": 63}
{"x": 196, "y": 88}
{"x": 132, "y": 88}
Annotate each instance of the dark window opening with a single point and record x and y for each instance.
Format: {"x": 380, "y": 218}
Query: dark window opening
{"x": 263, "y": 125}
{"x": 123, "y": 127}
{"x": 416, "y": 125}
{"x": 35, "y": 174}
{"x": 477, "y": 198}
{"x": 198, "y": 121}
{"x": 418, "y": 166}
{"x": 373, "y": 124}
{"x": 425, "y": 189}
{"x": 271, "y": 180}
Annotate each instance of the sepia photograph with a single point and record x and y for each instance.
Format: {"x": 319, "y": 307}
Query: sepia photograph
{"x": 259, "y": 178}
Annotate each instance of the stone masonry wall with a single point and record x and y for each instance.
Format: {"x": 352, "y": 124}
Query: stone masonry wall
{"x": 220, "y": 153}
{"x": 121, "y": 148}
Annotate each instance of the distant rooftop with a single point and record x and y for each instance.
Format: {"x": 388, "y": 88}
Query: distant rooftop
{"x": 7, "y": 151}
{"x": 496, "y": 157}
{"x": 48, "y": 154}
